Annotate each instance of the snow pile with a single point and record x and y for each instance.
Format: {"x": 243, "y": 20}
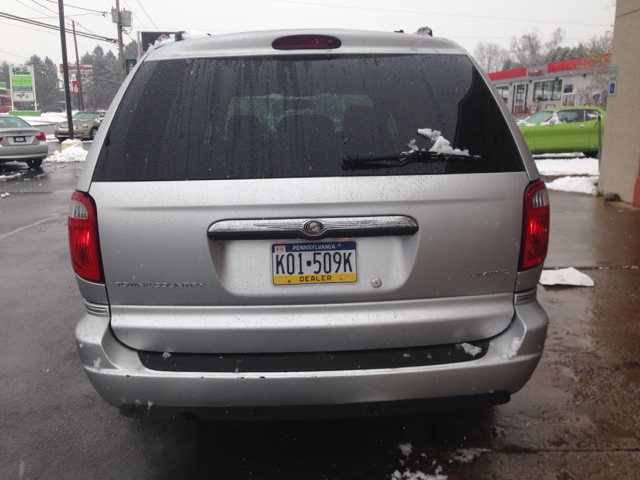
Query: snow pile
{"x": 566, "y": 276}
{"x": 418, "y": 475}
{"x": 4, "y": 195}
{"x": 440, "y": 144}
{"x": 575, "y": 184}
{"x": 568, "y": 166}
{"x": 468, "y": 455}
{"x": 514, "y": 347}
{"x": 186, "y": 35}
{"x": 68, "y": 155}
{"x": 406, "y": 449}
{"x": 470, "y": 349}
{"x": 51, "y": 138}
{"x": 554, "y": 120}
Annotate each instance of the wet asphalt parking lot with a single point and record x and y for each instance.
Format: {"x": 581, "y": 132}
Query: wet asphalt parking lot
{"x": 577, "y": 418}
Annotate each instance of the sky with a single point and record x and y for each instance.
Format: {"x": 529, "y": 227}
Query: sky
{"x": 464, "y": 21}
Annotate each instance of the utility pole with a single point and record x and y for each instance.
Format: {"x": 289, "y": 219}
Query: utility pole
{"x": 80, "y": 98}
{"x": 65, "y": 68}
{"x": 119, "y": 23}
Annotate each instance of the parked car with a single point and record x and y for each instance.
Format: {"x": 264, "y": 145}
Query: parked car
{"x": 564, "y": 129}
{"x": 308, "y": 223}
{"x": 20, "y": 142}
{"x": 85, "y": 125}
{"x": 57, "y": 108}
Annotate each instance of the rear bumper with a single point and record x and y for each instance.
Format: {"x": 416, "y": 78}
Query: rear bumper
{"x": 118, "y": 375}
{"x": 27, "y": 152}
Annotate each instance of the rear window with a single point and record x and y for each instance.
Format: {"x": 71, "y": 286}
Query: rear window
{"x": 13, "y": 122}
{"x": 287, "y": 116}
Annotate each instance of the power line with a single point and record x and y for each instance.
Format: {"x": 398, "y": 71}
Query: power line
{"x": 432, "y": 14}
{"x": 145, "y": 12}
{"x": 104, "y": 14}
{"x": 54, "y": 27}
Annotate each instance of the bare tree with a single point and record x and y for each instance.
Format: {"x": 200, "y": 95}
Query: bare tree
{"x": 595, "y": 64}
{"x": 528, "y": 49}
{"x": 490, "y": 56}
{"x": 556, "y": 39}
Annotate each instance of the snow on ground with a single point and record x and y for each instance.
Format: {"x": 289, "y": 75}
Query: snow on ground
{"x": 575, "y": 184}
{"x": 70, "y": 154}
{"x": 568, "y": 166}
{"x": 576, "y": 174}
{"x": 418, "y": 475}
{"x": 566, "y": 276}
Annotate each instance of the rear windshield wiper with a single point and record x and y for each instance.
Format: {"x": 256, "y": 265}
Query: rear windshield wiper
{"x": 402, "y": 159}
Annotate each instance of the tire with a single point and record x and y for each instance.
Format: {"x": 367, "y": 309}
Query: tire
{"x": 34, "y": 163}
{"x": 92, "y": 133}
{"x": 591, "y": 154}
{"x": 62, "y": 139}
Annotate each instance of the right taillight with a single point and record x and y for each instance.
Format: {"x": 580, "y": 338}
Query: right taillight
{"x": 535, "y": 229}
{"x": 83, "y": 237}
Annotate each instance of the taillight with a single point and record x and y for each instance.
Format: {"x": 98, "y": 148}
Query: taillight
{"x": 83, "y": 237}
{"x": 535, "y": 231}
{"x": 41, "y": 137}
{"x": 306, "y": 42}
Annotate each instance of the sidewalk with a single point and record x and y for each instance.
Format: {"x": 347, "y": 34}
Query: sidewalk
{"x": 587, "y": 232}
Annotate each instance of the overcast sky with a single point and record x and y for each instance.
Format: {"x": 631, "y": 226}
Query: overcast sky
{"x": 465, "y": 21}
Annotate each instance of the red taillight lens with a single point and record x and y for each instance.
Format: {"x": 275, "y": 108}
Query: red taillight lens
{"x": 306, "y": 42}
{"x": 41, "y": 137}
{"x": 83, "y": 237}
{"x": 535, "y": 231}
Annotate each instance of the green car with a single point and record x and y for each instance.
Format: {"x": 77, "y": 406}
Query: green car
{"x": 564, "y": 129}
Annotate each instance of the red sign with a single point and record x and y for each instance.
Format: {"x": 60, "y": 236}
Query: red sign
{"x": 74, "y": 86}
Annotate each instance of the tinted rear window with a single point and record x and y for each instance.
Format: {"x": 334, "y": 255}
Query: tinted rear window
{"x": 276, "y": 117}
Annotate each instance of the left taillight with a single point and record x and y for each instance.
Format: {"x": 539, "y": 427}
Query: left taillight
{"x": 41, "y": 137}
{"x": 83, "y": 237}
{"x": 535, "y": 228}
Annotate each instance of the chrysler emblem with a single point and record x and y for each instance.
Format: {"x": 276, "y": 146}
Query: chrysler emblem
{"x": 313, "y": 227}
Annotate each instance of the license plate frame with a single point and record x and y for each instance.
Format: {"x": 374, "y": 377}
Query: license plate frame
{"x": 20, "y": 139}
{"x": 314, "y": 263}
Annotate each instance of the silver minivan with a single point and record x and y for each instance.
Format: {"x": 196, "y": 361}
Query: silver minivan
{"x": 303, "y": 223}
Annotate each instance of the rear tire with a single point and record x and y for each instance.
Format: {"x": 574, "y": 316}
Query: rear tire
{"x": 62, "y": 139}
{"x": 92, "y": 133}
{"x": 591, "y": 154}
{"x": 34, "y": 163}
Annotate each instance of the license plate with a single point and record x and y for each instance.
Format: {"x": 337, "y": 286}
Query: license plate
{"x": 313, "y": 263}
{"x": 19, "y": 139}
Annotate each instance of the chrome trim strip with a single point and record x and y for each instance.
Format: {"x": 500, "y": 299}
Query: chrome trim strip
{"x": 96, "y": 309}
{"x": 524, "y": 297}
{"x": 312, "y": 228}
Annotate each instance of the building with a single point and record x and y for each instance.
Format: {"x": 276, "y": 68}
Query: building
{"x": 620, "y": 161}
{"x": 529, "y": 89}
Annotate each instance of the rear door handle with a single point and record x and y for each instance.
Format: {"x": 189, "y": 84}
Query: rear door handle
{"x": 312, "y": 228}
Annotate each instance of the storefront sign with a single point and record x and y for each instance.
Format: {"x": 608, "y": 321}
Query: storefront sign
{"x": 84, "y": 69}
{"x": 534, "y": 73}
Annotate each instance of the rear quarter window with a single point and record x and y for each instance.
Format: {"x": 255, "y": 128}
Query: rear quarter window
{"x": 289, "y": 116}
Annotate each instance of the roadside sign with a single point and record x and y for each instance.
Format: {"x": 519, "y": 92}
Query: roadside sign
{"x": 613, "y": 81}
{"x": 74, "y": 86}
{"x": 84, "y": 69}
{"x": 23, "y": 87}
{"x": 3, "y": 88}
